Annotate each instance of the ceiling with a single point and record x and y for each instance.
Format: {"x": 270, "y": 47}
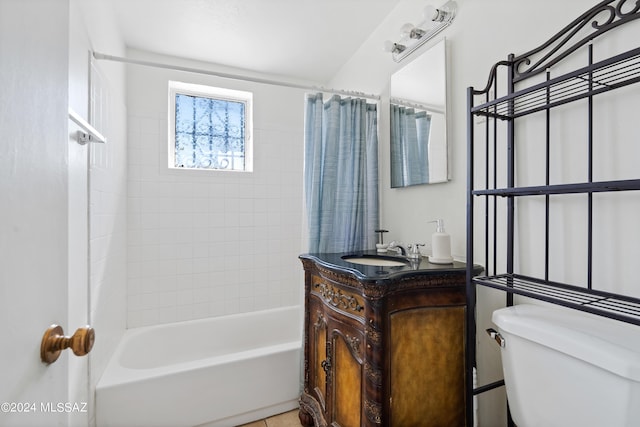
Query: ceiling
{"x": 297, "y": 39}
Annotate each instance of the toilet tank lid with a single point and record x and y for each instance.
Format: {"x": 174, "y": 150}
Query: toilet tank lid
{"x": 606, "y": 343}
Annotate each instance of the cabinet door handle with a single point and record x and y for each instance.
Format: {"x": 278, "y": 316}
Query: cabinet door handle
{"x": 326, "y": 365}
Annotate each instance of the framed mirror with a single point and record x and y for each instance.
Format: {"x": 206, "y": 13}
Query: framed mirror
{"x": 419, "y": 153}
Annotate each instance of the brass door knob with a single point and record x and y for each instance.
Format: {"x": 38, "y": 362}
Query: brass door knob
{"x": 54, "y": 341}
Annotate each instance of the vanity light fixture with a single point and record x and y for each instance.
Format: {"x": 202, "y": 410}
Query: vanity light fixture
{"x": 412, "y": 37}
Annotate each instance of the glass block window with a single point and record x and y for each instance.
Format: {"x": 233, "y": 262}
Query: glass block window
{"x": 210, "y": 128}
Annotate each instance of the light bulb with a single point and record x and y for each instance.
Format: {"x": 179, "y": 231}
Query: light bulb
{"x": 405, "y": 30}
{"x": 430, "y": 13}
{"x": 388, "y": 46}
{"x": 392, "y": 47}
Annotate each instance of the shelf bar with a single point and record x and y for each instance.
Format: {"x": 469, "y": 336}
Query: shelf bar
{"x": 590, "y": 175}
{"x": 612, "y": 73}
{"x": 622, "y": 59}
{"x": 470, "y": 342}
{"x": 618, "y": 307}
{"x": 511, "y": 180}
{"x": 576, "y": 188}
{"x": 547, "y": 181}
{"x": 488, "y": 387}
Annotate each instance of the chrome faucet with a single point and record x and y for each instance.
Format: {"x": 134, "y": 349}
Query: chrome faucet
{"x": 415, "y": 251}
{"x": 398, "y": 247}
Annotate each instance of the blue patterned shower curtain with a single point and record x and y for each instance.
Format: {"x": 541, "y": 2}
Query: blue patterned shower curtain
{"x": 341, "y": 173}
{"x": 409, "y": 146}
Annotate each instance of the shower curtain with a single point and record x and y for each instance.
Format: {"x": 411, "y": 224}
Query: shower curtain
{"x": 409, "y": 146}
{"x": 341, "y": 173}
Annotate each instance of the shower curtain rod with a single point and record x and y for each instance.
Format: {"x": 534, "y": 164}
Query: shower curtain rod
{"x": 102, "y": 56}
{"x": 405, "y": 103}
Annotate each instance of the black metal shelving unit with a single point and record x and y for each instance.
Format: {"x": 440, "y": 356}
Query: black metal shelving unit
{"x": 529, "y": 89}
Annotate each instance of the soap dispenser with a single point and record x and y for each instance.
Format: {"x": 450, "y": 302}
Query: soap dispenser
{"x": 440, "y": 245}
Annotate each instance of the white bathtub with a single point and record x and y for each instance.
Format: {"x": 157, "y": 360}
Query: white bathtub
{"x": 220, "y": 372}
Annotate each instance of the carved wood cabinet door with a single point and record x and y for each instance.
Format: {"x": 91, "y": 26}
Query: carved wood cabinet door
{"x": 318, "y": 363}
{"x": 336, "y": 359}
{"x": 346, "y": 356}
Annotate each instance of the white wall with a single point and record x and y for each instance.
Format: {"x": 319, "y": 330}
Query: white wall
{"x": 209, "y": 243}
{"x": 482, "y": 34}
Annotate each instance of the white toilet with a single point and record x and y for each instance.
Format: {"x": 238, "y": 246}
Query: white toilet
{"x": 567, "y": 368}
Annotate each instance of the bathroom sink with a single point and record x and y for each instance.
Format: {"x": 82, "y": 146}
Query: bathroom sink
{"x": 377, "y": 260}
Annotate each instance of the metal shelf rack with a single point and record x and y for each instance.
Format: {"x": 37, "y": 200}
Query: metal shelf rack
{"x": 606, "y": 304}
{"x": 529, "y": 89}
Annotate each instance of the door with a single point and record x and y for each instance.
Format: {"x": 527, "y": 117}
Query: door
{"x": 34, "y": 206}
{"x": 42, "y": 231}
{"x": 44, "y": 282}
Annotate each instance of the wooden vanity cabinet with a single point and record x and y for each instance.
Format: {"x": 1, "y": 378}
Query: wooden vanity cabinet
{"x": 383, "y": 352}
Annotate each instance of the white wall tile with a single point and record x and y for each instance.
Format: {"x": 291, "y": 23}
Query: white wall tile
{"x": 207, "y": 243}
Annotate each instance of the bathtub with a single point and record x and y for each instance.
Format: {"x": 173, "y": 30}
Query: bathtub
{"x": 215, "y": 372}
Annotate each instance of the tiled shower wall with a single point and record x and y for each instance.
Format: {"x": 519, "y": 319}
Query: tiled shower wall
{"x": 108, "y": 214}
{"x": 209, "y": 243}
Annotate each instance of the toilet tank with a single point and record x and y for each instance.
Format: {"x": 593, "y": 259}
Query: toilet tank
{"x": 567, "y": 368}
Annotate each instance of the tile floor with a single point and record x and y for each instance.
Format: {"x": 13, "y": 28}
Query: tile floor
{"x": 288, "y": 419}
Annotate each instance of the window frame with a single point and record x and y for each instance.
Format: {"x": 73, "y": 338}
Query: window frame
{"x": 218, "y": 93}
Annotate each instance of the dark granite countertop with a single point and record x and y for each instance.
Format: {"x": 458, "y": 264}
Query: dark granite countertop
{"x": 411, "y": 267}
